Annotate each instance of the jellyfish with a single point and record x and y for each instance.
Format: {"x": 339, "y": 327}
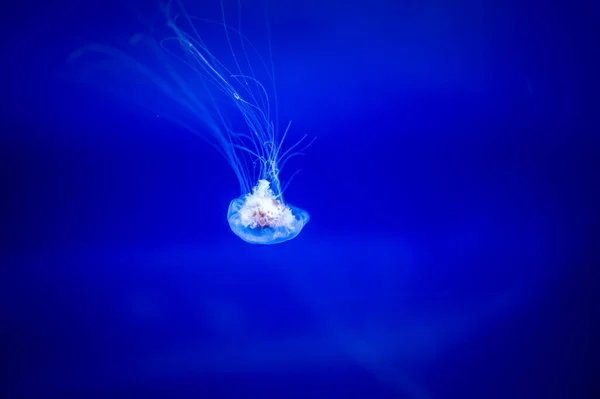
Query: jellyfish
{"x": 259, "y": 215}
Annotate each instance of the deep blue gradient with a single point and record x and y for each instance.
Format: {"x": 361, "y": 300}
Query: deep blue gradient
{"x": 452, "y": 192}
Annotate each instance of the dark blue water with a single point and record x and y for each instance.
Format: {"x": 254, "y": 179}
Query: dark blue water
{"x": 452, "y": 191}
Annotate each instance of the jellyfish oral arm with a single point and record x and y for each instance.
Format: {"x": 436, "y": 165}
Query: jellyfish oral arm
{"x": 261, "y": 209}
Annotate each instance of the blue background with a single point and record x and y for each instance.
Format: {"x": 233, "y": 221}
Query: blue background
{"x": 452, "y": 190}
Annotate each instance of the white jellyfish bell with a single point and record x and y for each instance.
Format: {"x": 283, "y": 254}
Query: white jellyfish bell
{"x": 260, "y": 215}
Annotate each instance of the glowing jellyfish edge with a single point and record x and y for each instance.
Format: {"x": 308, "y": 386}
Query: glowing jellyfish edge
{"x": 259, "y": 218}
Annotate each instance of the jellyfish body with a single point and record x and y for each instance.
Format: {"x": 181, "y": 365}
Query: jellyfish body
{"x": 259, "y": 215}
{"x": 259, "y": 218}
